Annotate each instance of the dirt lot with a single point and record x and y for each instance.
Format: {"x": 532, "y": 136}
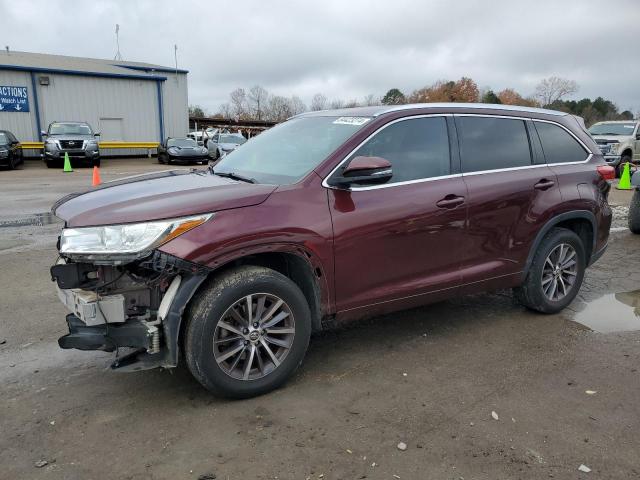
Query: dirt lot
{"x": 430, "y": 378}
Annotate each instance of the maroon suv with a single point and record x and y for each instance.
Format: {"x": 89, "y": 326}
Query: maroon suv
{"x": 327, "y": 217}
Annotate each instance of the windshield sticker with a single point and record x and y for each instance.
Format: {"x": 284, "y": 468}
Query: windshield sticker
{"x": 351, "y": 120}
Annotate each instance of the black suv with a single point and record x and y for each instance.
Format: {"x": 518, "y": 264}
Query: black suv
{"x": 75, "y": 138}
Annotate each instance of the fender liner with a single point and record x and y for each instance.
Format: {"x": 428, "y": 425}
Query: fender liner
{"x": 563, "y": 217}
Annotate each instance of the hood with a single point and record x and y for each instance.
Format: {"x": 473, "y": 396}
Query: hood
{"x": 70, "y": 137}
{"x": 188, "y": 151}
{"x": 155, "y": 196}
{"x": 614, "y": 138}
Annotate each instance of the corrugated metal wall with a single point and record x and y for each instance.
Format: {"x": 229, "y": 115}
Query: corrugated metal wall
{"x": 22, "y": 124}
{"x": 176, "y": 105}
{"x": 122, "y": 109}
{"x": 89, "y": 99}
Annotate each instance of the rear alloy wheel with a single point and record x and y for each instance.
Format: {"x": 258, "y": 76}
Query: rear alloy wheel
{"x": 555, "y": 274}
{"x": 247, "y": 332}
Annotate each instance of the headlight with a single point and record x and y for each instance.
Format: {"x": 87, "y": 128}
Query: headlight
{"x": 92, "y": 143}
{"x": 204, "y": 150}
{"x": 128, "y": 240}
{"x": 4, "y": 153}
{"x": 50, "y": 144}
{"x": 613, "y": 148}
{"x": 172, "y": 150}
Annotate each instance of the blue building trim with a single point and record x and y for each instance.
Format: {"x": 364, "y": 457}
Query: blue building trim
{"x": 37, "y": 107}
{"x": 160, "y": 110}
{"x": 151, "y": 69}
{"x": 20, "y": 68}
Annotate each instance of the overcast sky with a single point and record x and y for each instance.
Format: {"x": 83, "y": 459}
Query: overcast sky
{"x": 348, "y": 49}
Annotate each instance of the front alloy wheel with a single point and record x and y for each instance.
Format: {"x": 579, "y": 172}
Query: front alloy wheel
{"x": 254, "y": 336}
{"x": 247, "y": 331}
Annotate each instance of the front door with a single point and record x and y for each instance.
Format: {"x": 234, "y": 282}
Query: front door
{"x": 398, "y": 243}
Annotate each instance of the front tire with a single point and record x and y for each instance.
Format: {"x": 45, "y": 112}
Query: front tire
{"x": 247, "y": 332}
{"x": 634, "y": 213}
{"x": 555, "y": 274}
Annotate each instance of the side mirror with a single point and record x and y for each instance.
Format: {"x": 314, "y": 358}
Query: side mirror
{"x": 43, "y": 133}
{"x": 363, "y": 171}
{"x": 97, "y": 134}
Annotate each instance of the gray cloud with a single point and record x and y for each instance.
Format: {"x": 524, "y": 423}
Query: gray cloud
{"x": 349, "y": 49}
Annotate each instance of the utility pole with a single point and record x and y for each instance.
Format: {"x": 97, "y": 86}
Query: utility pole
{"x": 118, "y": 56}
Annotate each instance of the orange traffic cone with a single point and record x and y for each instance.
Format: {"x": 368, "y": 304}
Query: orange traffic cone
{"x": 96, "y": 177}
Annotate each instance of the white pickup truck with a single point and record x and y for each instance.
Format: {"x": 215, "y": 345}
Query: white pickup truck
{"x": 619, "y": 141}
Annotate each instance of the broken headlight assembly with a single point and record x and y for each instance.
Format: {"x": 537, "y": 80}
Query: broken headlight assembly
{"x": 126, "y": 242}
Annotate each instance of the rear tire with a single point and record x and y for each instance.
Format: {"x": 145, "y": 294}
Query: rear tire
{"x": 218, "y": 324}
{"x": 549, "y": 287}
{"x": 634, "y": 213}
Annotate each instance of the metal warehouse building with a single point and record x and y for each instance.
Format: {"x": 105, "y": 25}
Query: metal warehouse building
{"x": 125, "y": 101}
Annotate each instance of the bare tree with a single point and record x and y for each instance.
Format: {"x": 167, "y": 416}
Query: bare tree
{"x": 238, "y": 103}
{"x": 297, "y": 105}
{"x": 337, "y": 103}
{"x": 225, "y": 111}
{"x": 257, "y": 100}
{"x": 552, "y": 89}
{"x": 371, "y": 100}
{"x": 279, "y": 108}
{"x": 318, "y": 102}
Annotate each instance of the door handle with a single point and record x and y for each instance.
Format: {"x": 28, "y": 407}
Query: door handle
{"x": 544, "y": 184}
{"x": 450, "y": 201}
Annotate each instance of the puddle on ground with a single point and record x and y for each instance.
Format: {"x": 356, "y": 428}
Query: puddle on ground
{"x": 34, "y": 219}
{"x": 616, "y": 312}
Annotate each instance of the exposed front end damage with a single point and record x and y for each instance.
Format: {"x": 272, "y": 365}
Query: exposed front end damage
{"x": 136, "y": 306}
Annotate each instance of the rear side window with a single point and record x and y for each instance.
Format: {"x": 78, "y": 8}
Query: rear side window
{"x": 417, "y": 148}
{"x": 558, "y": 145}
{"x": 493, "y": 143}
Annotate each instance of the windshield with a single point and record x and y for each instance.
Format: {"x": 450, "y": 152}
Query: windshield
{"x": 612, "y": 129}
{"x": 3, "y": 139}
{"x": 181, "y": 142}
{"x": 69, "y": 129}
{"x": 237, "y": 139}
{"x": 287, "y": 152}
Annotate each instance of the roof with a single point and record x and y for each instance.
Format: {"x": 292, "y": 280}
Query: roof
{"x": 42, "y": 62}
{"x": 382, "y": 109}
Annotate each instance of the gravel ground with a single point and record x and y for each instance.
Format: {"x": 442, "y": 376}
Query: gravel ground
{"x": 475, "y": 388}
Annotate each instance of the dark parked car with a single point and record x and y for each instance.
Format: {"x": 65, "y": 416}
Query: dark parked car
{"x": 10, "y": 150}
{"x": 366, "y": 211}
{"x": 77, "y": 139}
{"x": 222, "y": 144}
{"x": 182, "y": 150}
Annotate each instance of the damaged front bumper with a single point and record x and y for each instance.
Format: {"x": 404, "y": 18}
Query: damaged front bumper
{"x": 135, "y": 306}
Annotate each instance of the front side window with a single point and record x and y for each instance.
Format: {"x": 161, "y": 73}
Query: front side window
{"x": 417, "y": 148}
{"x": 488, "y": 143}
{"x": 558, "y": 145}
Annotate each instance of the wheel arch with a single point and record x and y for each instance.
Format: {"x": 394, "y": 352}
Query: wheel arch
{"x": 582, "y": 222}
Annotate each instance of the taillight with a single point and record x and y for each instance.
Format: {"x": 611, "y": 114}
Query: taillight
{"x": 606, "y": 172}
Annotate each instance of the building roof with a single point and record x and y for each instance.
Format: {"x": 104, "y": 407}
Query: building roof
{"x": 376, "y": 111}
{"x": 41, "y": 62}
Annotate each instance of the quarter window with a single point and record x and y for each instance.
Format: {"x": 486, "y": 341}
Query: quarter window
{"x": 417, "y": 148}
{"x": 558, "y": 145}
{"x": 493, "y": 143}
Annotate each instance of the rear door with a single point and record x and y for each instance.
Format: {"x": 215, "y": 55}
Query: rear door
{"x": 397, "y": 242}
{"x": 510, "y": 190}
